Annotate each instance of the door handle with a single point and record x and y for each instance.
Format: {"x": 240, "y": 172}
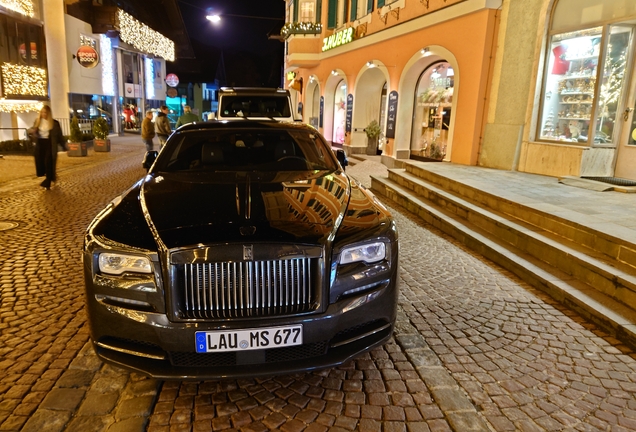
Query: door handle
{"x": 626, "y": 113}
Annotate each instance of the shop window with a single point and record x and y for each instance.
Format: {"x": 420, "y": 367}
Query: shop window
{"x": 432, "y": 111}
{"x": 339, "y": 113}
{"x": 585, "y": 76}
{"x": 581, "y": 100}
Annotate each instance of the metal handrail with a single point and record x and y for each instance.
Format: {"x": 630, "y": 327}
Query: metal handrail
{"x": 12, "y": 128}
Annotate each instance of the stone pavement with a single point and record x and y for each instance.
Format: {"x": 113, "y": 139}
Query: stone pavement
{"x": 475, "y": 347}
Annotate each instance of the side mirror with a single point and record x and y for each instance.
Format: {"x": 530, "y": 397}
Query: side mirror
{"x": 342, "y": 158}
{"x": 149, "y": 159}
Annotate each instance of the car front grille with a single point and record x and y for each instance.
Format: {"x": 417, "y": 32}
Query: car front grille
{"x": 247, "y": 289}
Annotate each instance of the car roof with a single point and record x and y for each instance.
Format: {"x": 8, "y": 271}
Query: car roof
{"x": 254, "y": 90}
{"x": 245, "y": 123}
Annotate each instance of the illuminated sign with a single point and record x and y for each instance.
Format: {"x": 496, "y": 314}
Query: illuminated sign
{"x": 172, "y": 80}
{"x": 337, "y": 39}
{"x": 87, "y": 56}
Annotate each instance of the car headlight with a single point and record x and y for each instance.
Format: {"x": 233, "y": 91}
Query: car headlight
{"x": 117, "y": 264}
{"x": 369, "y": 253}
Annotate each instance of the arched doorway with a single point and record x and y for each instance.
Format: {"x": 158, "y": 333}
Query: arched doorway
{"x": 312, "y": 108}
{"x": 369, "y": 102}
{"x": 432, "y": 110}
{"x": 410, "y": 80}
{"x": 339, "y": 113}
{"x": 335, "y": 94}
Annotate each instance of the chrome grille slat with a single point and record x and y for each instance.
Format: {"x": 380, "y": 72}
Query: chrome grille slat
{"x": 244, "y": 289}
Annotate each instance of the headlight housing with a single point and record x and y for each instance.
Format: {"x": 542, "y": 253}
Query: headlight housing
{"x": 118, "y": 264}
{"x": 368, "y": 253}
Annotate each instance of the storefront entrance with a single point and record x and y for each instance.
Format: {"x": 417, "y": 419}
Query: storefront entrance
{"x": 339, "y": 113}
{"x": 626, "y": 152}
{"x": 432, "y": 112}
{"x": 588, "y": 91}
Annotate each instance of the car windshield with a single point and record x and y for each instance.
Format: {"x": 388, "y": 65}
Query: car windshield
{"x": 245, "y": 150}
{"x": 255, "y": 106}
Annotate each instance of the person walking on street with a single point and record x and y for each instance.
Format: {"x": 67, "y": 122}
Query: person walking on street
{"x": 148, "y": 131}
{"x": 162, "y": 125}
{"x": 46, "y": 134}
{"x": 187, "y": 117}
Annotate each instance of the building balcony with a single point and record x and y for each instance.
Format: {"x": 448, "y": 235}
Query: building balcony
{"x": 300, "y": 28}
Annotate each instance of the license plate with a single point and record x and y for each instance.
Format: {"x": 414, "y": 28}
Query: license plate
{"x": 250, "y": 339}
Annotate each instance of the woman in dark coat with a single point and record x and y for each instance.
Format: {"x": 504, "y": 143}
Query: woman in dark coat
{"x": 47, "y": 135}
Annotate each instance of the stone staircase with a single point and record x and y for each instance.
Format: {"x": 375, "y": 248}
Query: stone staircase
{"x": 587, "y": 270}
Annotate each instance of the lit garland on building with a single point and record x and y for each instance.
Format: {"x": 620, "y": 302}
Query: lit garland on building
{"x": 20, "y": 107}
{"x": 300, "y": 28}
{"x": 143, "y": 37}
{"x": 106, "y": 54}
{"x": 150, "y": 77}
{"x": 23, "y": 80}
{"x": 25, "y": 7}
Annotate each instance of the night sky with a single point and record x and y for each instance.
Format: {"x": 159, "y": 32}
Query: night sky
{"x": 250, "y": 57}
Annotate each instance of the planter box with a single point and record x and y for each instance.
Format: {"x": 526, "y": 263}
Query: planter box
{"x": 77, "y": 149}
{"x": 101, "y": 145}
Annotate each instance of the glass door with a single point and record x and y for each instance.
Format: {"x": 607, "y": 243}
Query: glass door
{"x": 625, "y": 117}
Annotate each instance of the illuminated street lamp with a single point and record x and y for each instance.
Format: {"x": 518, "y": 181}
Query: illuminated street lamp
{"x": 214, "y": 18}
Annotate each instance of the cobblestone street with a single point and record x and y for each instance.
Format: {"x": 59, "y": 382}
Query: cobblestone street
{"x": 475, "y": 349}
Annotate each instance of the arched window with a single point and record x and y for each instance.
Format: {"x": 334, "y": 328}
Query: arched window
{"x": 586, "y": 71}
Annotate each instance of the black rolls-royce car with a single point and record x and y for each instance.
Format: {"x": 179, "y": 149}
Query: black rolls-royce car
{"x": 245, "y": 251}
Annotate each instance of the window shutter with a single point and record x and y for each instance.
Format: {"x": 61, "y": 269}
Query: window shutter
{"x": 346, "y": 11}
{"x": 318, "y": 11}
{"x": 333, "y": 12}
{"x": 380, "y": 3}
{"x": 369, "y": 6}
{"x": 296, "y": 11}
{"x": 354, "y": 10}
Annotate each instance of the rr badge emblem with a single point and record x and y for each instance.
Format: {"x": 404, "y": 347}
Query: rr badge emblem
{"x": 248, "y": 253}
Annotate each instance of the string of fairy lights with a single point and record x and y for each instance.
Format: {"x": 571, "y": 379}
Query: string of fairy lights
{"x": 143, "y": 37}
{"x": 300, "y": 28}
{"x": 23, "y": 80}
{"x": 25, "y": 7}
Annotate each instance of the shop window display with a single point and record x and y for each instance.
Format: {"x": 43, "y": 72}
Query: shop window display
{"x": 575, "y": 108}
{"x": 433, "y": 102}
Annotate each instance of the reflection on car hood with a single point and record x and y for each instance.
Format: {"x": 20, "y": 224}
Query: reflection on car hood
{"x": 219, "y": 207}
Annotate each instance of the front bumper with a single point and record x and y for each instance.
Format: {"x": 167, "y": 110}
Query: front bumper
{"x": 147, "y": 342}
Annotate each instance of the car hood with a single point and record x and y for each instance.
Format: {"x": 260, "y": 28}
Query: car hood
{"x": 185, "y": 210}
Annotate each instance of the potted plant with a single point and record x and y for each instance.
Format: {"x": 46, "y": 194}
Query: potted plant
{"x": 101, "y": 130}
{"x": 76, "y": 147}
{"x": 373, "y": 133}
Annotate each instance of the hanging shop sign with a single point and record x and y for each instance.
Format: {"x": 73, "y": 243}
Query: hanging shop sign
{"x": 87, "y": 56}
{"x": 390, "y": 123}
{"x": 129, "y": 90}
{"x": 172, "y": 80}
{"x": 349, "y": 117}
{"x": 338, "y": 39}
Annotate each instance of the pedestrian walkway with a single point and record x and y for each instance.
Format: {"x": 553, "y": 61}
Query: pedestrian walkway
{"x": 475, "y": 347}
{"x": 19, "y": 170}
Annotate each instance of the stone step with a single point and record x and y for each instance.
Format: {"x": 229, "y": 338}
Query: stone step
{"x": 466, "y": 223}
{"x": 606, "y": 275}
{"x": 614, "y": 247}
